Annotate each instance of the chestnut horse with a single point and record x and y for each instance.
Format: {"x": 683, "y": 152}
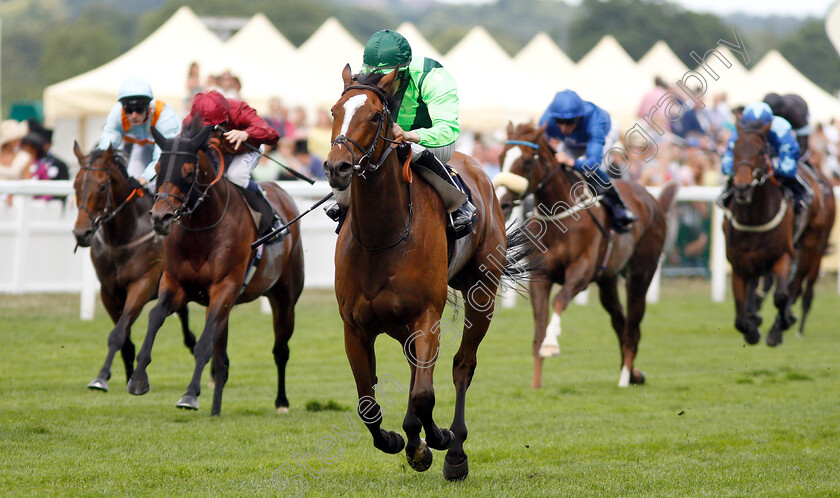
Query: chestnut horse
{"x": 113, "y": 220}
{"x": 392, "y": 269}
{"x": 207, "y": 254}
{"x": 572, "y": 231}
{"x": 759, "y": 231}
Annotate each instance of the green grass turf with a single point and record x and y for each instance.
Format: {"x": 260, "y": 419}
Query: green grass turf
{"x": 716, "y": 417}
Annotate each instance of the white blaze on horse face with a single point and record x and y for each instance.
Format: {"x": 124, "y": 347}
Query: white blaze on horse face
{"x": 551, "y": 346}
{"x": 350, "y": 108}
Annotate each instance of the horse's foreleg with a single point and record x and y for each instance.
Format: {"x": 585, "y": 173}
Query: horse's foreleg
{"x": 422, "y": 350}
{"x": 608, "y": 293}
{"x": 638, "y": 283}
{"x": 189, "y": 337}
{"x": 362, "y": 358}
{"x": 807, "y": 297}
{"x": 171, "y": 297}
{"x": 577, "y": 278}
{"x": 540, "y": 288}
{"x": 781, "y": 298}
{"x": 222, "y": 298}
{"x": 743, "y": 321}
{"x": 114, "y": 305}
{"x": 221, "y": 363}
{"x": 476, "y": 322}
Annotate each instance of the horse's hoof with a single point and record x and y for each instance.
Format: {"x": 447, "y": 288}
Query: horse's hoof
{"x": 138, "y": 387}
{"x": 753, "y": 337}
{"x": 187, "y": 402}
{"x": 282, "y": 410}
{"x": 98, "y": 384}
{"x": 455, "y": 472}
{"x": 799, "y": 334}
{"x": 637, "y": 377}
{"x": 774, "y": 339}
{"x": 421, "y": 459}
{"x": 549, "y": 350}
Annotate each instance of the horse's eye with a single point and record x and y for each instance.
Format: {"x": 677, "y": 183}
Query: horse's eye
{"x": 376, "y": 117}
{"x": 102, "y": 188}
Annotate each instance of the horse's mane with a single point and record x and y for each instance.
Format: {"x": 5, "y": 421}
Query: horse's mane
{"x": 118, "y": 160}
{"x": 192, "y": 128}
{"x": 372, "y": 79}
{"x": 749, "y": 146}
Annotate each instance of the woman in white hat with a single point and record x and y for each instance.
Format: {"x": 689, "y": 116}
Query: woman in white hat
{"x": 14, "y": 162}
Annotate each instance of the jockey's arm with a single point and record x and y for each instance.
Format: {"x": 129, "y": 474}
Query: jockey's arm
{"x": 441, "y": 97}
{"x": 595, "y": 147}
{"x": 784, "y": 142}
{"x": 169, "y": 126}
{"x": 112, "y": 132}
{"x": 726, "y": 160}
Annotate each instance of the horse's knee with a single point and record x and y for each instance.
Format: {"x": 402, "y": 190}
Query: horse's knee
{"x": 423, "y": 400}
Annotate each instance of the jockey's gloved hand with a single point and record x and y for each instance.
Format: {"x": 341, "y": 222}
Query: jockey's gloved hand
{"x": 133, "y": 183}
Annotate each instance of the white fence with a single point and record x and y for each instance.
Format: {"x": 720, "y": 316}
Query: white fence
{"x": 36, "y": 243}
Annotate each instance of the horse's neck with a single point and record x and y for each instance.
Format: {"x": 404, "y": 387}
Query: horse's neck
{"x": 557, "y": 188}
{"x": 380, "y": 206}
{"x": 766, "y": 202}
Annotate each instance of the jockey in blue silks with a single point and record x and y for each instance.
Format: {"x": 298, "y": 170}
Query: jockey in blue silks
{"x": 784, "y": 151}
{"x": 586, "y": 132}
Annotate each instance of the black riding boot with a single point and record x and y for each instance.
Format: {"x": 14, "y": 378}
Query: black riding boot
{"x": 258, "y": 200}
{"x": 802, "y": 193}
{"x": 620, "y": 216}
{"x": 461, "y": 219}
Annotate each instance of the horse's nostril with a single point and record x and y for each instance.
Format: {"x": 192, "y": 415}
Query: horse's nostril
{"x": 344, "y": 166}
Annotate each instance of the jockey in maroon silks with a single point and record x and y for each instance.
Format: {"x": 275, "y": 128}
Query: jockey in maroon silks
{"x": 236, "y": 124}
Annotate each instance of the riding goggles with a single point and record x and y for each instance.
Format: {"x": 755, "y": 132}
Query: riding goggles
{"x": 135, "y": 108}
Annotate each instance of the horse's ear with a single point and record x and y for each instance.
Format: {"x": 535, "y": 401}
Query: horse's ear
{"x": 510, "y": 129}
{"x": 201, "y": 139}
{"x": 766, "y": 128}
{"x": 347, "y": 76}
{"x": 78, "y": 152}
{"x": 541, "y": 129}
{"x": 160, "y": 140}
{"x": 385, "y": 82}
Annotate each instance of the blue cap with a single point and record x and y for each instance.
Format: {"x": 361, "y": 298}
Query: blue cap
{"x": 566, "y": 105}
{"x": 758, "y": 113}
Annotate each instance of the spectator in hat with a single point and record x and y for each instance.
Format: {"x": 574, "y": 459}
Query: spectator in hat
{"x": 56, "y": 168}
{"x": 14, "y": 162}
{"x": 311, "y": 165}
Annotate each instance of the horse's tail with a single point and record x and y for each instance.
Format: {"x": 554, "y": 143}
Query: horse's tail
{"x": 522, "y": 259}
{"x": 668, "y": 196}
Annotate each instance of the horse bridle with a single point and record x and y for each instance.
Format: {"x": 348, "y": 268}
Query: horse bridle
{"x": 760, "y": 175}
{"x": 363, "y": 165}
{"x": 187, "y": 207}
{"x": 536, "y": 159}
{"x": 107, "y": 214}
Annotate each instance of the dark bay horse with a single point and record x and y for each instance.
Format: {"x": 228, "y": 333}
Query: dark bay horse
{"x": 572, "y": 233}
{"x": 207, "y": 254}
{"x": 113, "y": 220}
{"x": 759, "y": 231}
{"x": 392, "y": 270}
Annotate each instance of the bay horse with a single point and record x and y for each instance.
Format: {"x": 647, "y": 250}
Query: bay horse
{"x": 207, "y": 254}
{"x": 113, "y": 220}
{"x": 577, "y": 246}
{"x": 759, "y": 231}
{"x": 392, "y": 269}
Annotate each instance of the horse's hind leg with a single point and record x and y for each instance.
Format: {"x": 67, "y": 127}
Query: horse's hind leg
{"x": 283, "y": 316}
{"x": 222, "y": 297}
{"x": 170, "y": 299}
{"x": 744, "y": 321}
{"x": 422, "y": 350}
{"x": 476, "y": 321}
{"x": 638, "y": 282}
{"x": 189, "y": 337}
{"x": 808, "y": 295}
{"x": 362, "y": 358}
{"x": 608, "y": 292}
{"x": 221, "y": 363}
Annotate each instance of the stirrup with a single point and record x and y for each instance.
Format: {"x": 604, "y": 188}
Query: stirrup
{"x": 276, "y": 223}
{"x": 461, "y": 220}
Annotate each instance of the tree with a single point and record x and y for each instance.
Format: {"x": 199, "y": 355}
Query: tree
{"x": 811, "y": 52}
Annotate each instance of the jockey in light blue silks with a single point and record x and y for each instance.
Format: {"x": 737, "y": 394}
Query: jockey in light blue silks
{"x": 784, "y": 152}
{"x": 128, "y": 123}
{"x": 587, "y": 132}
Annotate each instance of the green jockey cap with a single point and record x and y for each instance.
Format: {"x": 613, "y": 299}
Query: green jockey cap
{"x": 385, "y": 51}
